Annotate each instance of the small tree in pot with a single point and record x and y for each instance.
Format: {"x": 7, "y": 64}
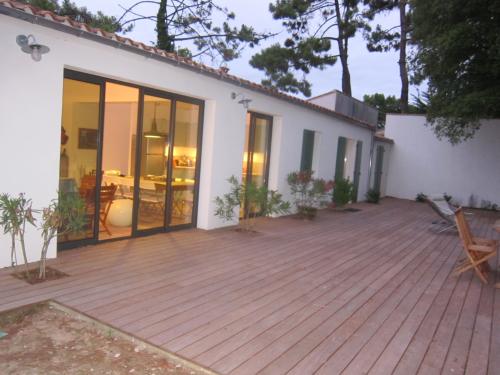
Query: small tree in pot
{"x": 309, "y": 193}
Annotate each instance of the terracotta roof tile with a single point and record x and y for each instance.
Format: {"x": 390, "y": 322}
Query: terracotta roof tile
{"x": 172, "y": 57}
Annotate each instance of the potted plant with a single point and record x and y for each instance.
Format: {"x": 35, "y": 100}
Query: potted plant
{"x": 309, "y": 193}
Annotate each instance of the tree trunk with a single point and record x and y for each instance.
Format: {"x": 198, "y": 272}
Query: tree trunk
{"x": 403, "y": 69}
{"x": 346, "y": 75}
{"x": 23, "y": 249}
{"x": 343, "y": 48}
{"x": 13, "y": 255}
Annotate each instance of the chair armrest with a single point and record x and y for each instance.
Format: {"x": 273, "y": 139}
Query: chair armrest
{"x": 483, "y": 248}
{"x": 484, "y": 241}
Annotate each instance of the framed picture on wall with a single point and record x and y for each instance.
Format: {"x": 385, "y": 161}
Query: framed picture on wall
{"x": 87, "y": 139}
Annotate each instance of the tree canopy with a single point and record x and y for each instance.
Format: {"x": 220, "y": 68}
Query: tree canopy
{"x": 186, "y": 27}
{"x": 190, "y": 28}
{"x": 81, "y": 14}
{"x": 391, "y": 104}
{"x": 458, "y": 53}
{"x": 319, "y": 33}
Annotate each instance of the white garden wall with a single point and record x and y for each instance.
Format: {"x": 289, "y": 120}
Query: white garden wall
{"x": 421, "y": 163}
{"x": 30, "y": 120}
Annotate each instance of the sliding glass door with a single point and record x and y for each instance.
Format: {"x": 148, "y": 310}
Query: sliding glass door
{"x": 132, "y": 154}
{"x": 153, "y": 162}
{"x": 116, "y": 198}
{"x": 79, "y": 149}
{"x": 184, "y": 157}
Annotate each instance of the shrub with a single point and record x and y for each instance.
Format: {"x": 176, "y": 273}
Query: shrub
{"x": 15, "y": 213}
{"x": 309, "y": 193}
{"x": 372, "y": 196}
{"x": 447, "y": 197}
{"x": 421, "y": 197}
{"x": 343, "y": 192}
{"x": 487, "y": 205}
{"x": 259, "y": 201}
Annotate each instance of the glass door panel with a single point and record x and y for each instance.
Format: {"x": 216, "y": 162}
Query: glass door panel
{"x": 118, "y": 155}
{"x": 257, "y": 150}
{"x": 79, "y": 142}
{"x": 246, "y": 150}
{"x": 184, "y": 157}
{"x": 260, "y": 151}
{"x": 154, "y": 153}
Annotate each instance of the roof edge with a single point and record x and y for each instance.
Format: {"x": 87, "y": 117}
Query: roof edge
{"x": 119, "y": 42}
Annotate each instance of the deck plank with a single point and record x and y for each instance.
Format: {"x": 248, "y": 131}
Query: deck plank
{"x": 364, "y": 292}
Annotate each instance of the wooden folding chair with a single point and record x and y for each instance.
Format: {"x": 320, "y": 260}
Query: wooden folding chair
{"x": 477, "y": 250}
{"x": 106, "y": 200}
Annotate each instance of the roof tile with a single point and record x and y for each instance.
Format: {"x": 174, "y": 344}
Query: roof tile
{"x": 174, "y": 57}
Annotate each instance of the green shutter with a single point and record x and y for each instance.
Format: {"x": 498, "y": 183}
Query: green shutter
{"x": 378, "y": 168}
{"x": 357, "y": 168}
{"x": 307, "y": 150}
{"x": 339, "y": 167}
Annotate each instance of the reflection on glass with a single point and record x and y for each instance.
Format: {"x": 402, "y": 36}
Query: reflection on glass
{"x": 256, "y": 151}
{"x": 246, "y": 148}
{"x": 184, "y": 162}
{"x": 154, "y": 159}
{"x": 118, "y": 156}
{"x": 79, "y": 139}
{"x": 260, "y": 150}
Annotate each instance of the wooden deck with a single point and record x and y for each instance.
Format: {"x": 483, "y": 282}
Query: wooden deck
{"x": 364, "y": 292}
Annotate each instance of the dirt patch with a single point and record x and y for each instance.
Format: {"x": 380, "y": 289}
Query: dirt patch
{"x": 31, "y": 277}
{"x": 42, "y": 339}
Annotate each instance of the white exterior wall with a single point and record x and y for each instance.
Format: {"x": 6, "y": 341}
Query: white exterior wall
{"x": 326, "y": 100}
{"x": 30, "y": 120}
{"x": 422, "y": 163}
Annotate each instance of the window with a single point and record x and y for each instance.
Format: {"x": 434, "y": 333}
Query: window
{"x": 348, "y": 164}
{"x": 306, "y": 160}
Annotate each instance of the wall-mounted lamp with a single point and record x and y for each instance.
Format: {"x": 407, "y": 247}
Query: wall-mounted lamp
{"x": 243, "y": 101}
{"x": 29, "y": 45}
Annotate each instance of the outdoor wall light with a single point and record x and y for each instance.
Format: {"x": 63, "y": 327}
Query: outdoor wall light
{"x": 29, "y": 45}
{"x": 243, "y": 101}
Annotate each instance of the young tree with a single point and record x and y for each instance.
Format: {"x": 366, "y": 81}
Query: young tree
{"x": 81, "y": 14}
{"x": 393, "y": 38}
{"x": 182, "y": 25}
{"x": 15, "y": 213}
{"x": 384, "y": 104}
{"x": 458, "y": 52}
{"x": 63, "y": 215}
{"x": 390, "y": 104}
{"x": 313, "y": 25}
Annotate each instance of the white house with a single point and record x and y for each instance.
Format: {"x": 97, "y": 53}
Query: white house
{"x": 102, "y": 110}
